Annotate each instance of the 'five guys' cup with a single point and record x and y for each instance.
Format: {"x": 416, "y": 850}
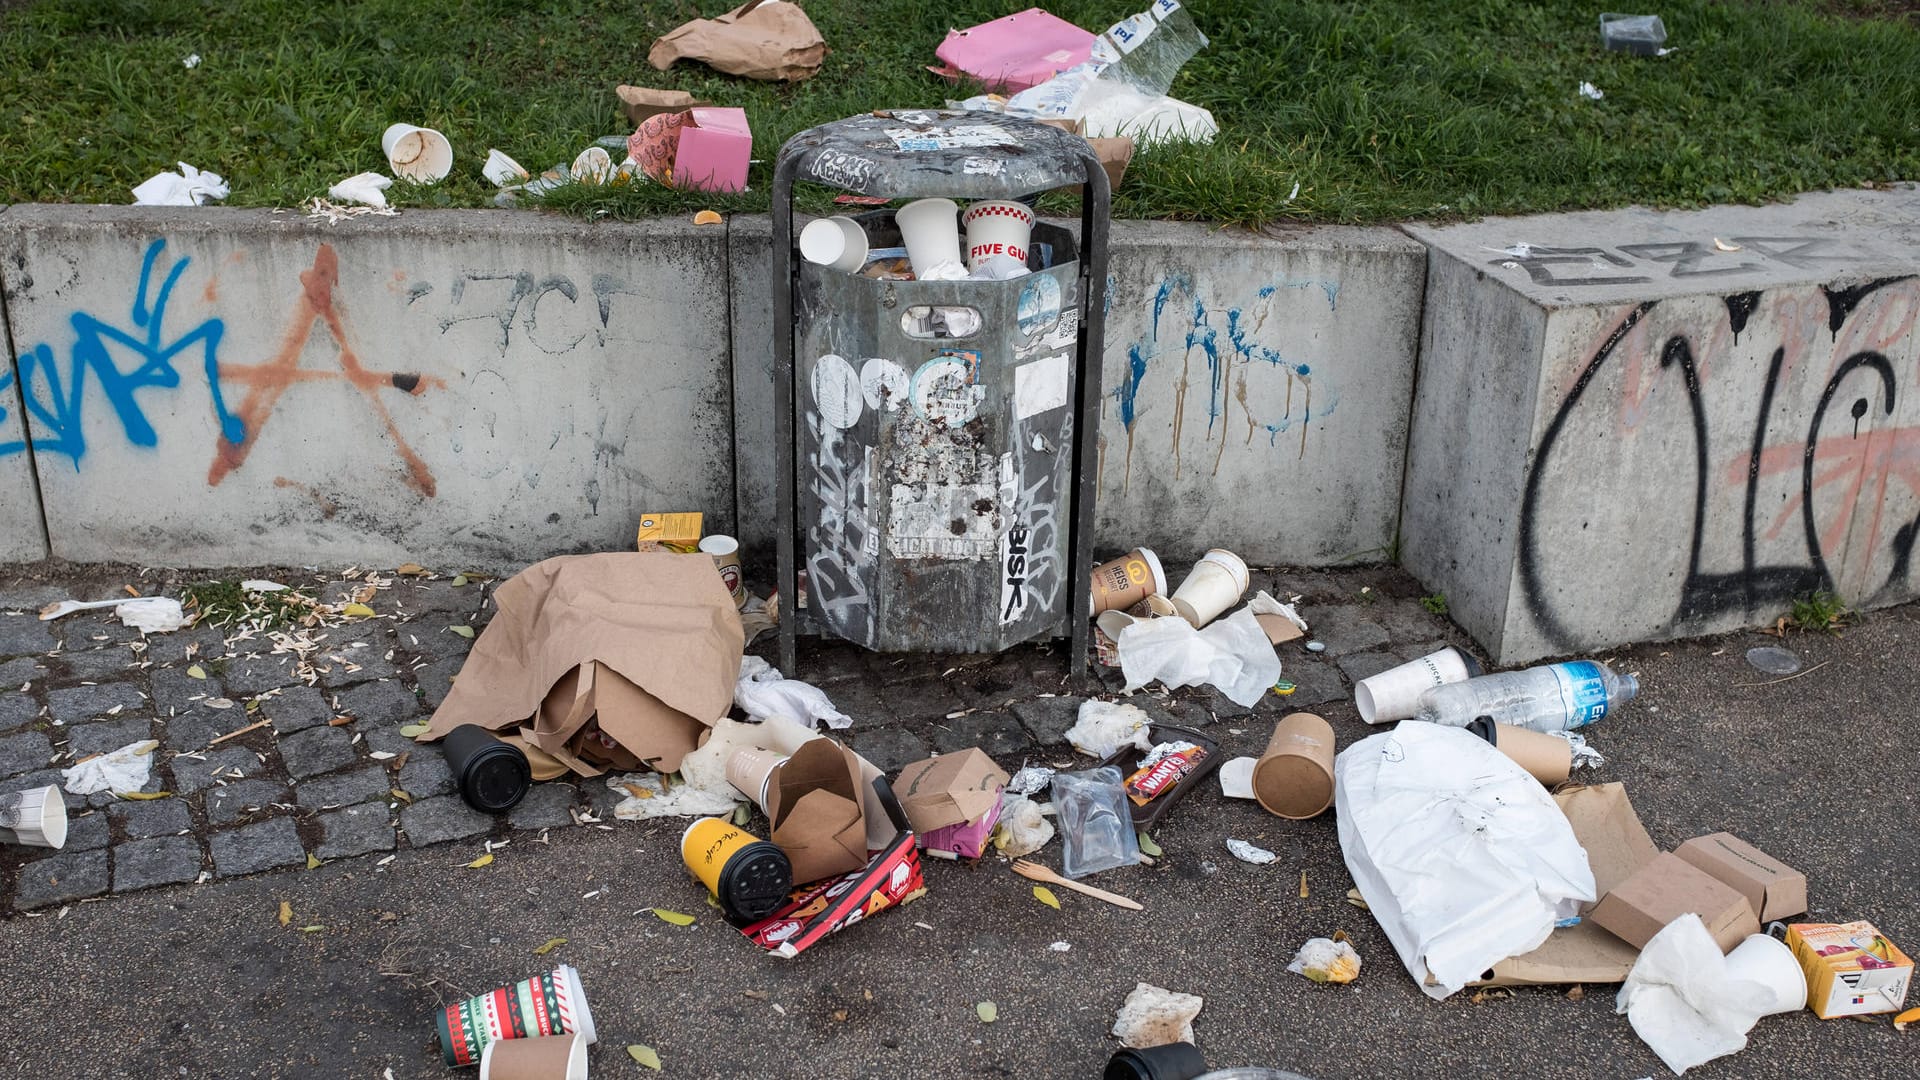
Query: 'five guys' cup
{"x": 1126, "y": 581}
{"x": 36, "y": 818}
{"x": 838, "y": 242}
{"x": 422, "y": 155}
{"x": 726, "y": 558}
{"x": 1547, "y": 758}
{"x": 1217, "y": 582}
{"x": 931, "y": 231}
{"x": 556, "y": 1057}
{"x": 1394, "y": 694}
{"x": 1294, "y": 777}
{"x": 552, "y": 1003}
{"x": 997, "y": 227}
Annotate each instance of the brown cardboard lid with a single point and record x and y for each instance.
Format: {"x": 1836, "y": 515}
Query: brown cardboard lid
{"x": 949, "y": 789}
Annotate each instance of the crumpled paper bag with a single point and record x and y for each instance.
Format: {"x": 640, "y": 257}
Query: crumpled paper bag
{"x": 1681, "y": 1002}
{"x": 770, "y": 40}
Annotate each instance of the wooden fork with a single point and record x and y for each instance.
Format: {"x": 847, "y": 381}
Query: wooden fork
{"x": 1034, "y": 871}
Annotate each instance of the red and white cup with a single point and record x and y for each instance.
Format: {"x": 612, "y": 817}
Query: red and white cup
{"x": 552, "y": 1003}
{"x": 997, "y": 227}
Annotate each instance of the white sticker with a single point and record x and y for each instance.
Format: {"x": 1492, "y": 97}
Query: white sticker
{"x": 1164, "y": 8}
{"x": 983, "y": 166}
{"x": 952, "y": 521}
{"x": 1129, "y": 32}
{"x": 1013, "y": 548}
{"x": 883, "y": 384}
{"x": 944, "y": 391}
{"x": 836, "y": 391}
{"x": 1039, "y": 306}
{"x": 1040, "y": 386}
{"x": 953, "y": 138}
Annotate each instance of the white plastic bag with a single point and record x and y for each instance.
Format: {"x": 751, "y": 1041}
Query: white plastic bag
{"x": 188, "y": 187}
{"x": 1105, "y": 726}
{"x": 1463, "y": 857}
{"x": 762, "y": 694}
{"x": 1232, "y": 654}
{"x": 1023, "y": 828}
{"x": 1681, "y": 1000}
{"x": 123, "y": 770}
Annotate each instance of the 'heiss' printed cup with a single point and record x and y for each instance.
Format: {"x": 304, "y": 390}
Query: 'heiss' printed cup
{"x": 552, "y": 1003}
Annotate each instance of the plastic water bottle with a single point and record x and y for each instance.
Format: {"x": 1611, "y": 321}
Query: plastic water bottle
{"x": 1553, "y": 697}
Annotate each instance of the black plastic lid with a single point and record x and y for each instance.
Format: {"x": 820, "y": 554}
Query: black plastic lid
{"x": 755, "y": 882}
{"x": 493, "y": 776}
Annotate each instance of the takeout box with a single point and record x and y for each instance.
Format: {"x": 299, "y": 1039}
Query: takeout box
{"x": 1667, "y": 888}
{"x": 1014, "y": 52}
{"x": 705, "y": 149}
{"x": 1774, "y": 889}
{"x": 1852, "y": 969}
{"x": 818, "y": 794}
{"x": 639, "y": 102}
{"x": 952, "y": 801}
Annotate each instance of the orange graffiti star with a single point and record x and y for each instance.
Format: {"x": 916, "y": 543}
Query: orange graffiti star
{"x": 267, "y": 381}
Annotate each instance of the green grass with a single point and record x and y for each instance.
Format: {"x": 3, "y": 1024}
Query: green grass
{"x": 1819, "y": 611}
{"x": 1435, "y": 604}
{"x": 225, "y": 604}
{"x": 1379, "y": 111}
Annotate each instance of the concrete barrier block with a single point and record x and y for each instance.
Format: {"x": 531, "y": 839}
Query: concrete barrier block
{"x": 750, "y": 300}
{"x": 453, "y": 388}
{"x": 1639, "y": 425}
{"x": 23, "y": 536}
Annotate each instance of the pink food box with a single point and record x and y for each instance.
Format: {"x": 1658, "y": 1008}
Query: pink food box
{"x": 714, "y": 150}
{"x": 967, "y": 839}
{"x": 1014, "y": 52}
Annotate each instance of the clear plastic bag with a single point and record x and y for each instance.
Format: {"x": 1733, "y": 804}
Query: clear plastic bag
{"x": 1096, "y": 822}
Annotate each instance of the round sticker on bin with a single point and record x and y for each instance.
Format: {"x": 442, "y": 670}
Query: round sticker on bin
{"x": 944, "y": 391}
{"x": 883, "y": 384}
{"x": 1039, "y": 304}
{"x": 836, "y": 391}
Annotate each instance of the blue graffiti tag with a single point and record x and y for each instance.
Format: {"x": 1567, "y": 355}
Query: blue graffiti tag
{"x": 56, "y": 397}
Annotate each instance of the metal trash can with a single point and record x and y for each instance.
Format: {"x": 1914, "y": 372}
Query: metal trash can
{"x": 936, "y": 470}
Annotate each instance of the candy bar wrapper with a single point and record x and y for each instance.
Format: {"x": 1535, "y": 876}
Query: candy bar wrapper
{"x": 1151, "y": 781}
{"x": 889, "y": 879}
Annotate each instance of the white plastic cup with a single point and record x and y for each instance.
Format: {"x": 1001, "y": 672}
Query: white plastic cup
{"x": 997, "y": 227}
{"x": 1394, "y": 694}
{"x": 36, "y": 818}
{"x": 1771, "y": 963}
{"x": 422, "y": 155}
{"x": 930, "y": 228}
{"x": 552, "y": 1057}
{"x": 1217, "y": 582}
{"x": 838, "y": 242}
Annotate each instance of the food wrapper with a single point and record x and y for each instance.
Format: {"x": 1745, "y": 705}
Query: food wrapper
{"x": 890, "y": 879}
{"x": 1160, "y": 771}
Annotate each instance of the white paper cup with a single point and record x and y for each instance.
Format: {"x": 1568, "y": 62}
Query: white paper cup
{"x": 725, "y": 551}
{"x": 1771, "y": 963}
{"x": 553, "y": 1057}
{"x": 422, "y": 155}
{"x": 838, "y": 242}
{"x": 593, "y": 166}
{"x": 36, "y": 818}
{"x": 1394, "y": 694}
{"x": 930, "y": 228}
{"x": 1217, "y": 582}
{"x": 997, "y": 227}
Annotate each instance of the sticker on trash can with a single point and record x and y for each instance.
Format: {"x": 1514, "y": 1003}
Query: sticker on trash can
{"x": 836, "y": 392}
{"x": 1040, "y": 386}
{"x": 950, "y": 521}
{"x": 983, "y": 166}
{"x": 1039, "y": 304}
{"x": 883, "y": 384}
{"x": 954, "y": 138}
{"x": 944, "y": 390}
{"x": 842, "y": 169}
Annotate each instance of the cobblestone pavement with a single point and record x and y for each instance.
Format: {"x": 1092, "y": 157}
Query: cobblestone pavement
{"x": 331, "y": 777}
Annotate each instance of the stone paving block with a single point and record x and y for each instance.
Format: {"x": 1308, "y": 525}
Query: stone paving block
{"x": 921, "y": 700}
{"x": 252, "y": 848}
{"x": 77, "y": 703}
{"x": 229, "y": 803}
{"x": 1406, "y": 620}
{"x": 23, "y": 634}
{"x": 890, "y": 749}
{"x": 355, "y": 830}
{"x": 1349, "y": 629}
{"x": 420, "y": 600}
{"x": 436, "y": 680}
{"x": 87, "y": 832}
{"x": 194, "y": 645}
{"x": 377, "y": 703}
{"x": 1190, "y": 713}
{"x": 431, "y": 637}
{"x": 166, "y": 860}
{"x": 56, "y": 879}
{"x": 545, "y": 807}
{"x": 158, "y": 817}
{"x": 100, "y": 737}
{"x": 344, "y": 789}
{"x": 21, "y": 669}
{"x": 176, "y": 692}
{"x": 297, "y": 708}
{"x": 16, "y": 709}
{"x": 1366, "y": 665}
{"x": 999, "y": 734}
{"x": 434, "y": 821}
{"x": 1317, "y": 683}
{"x": 196, "y": 728}
{"x": 426, "y": 774}
{"x": 29, "y": 599}
{"x": 99, "y": 665}
{"x": 386, "y": 738}
{"x": 317, "y": 750}
{"x": 218, "y": 766}
{"x": 93, "y": 631}
{"x": 25, "y": 752}
{"x": 344, "y": 661}
{"x": 1048, "y": 718}
{"x": 259, "y": 673}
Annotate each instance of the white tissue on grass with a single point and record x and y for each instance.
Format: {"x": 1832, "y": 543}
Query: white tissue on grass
{"x": 192, "y": 61}
{"x": 1247, "y": 853}
{"x": 1681, "y": 1002}
{"x": 1263, "y": 604}
{"x": 367, "y": 187}
{"x": 1154, "y": 1016}
{"x": 188, "y": 187}
{"x": 1023, "y": 828}
{"x": 1030, "y": 780}
{"x": 123, "y": 770}
{"x": 1232, "y": 654}
{"x": 762, "y": 694}
{"x": 1591, "y": 92}
{"x": 1106, "y": 726}
{"x": 684, "y": 800}
{"x": 152, "y": 614}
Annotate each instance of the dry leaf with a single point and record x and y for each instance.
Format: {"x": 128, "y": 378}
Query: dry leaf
{"x": 286, "y": 913}
{"x": 645, "y": 1055}
{"x": 459, "y": 581}
{"x": 1339, "y": 935}
{"x": 463, "y": 631}
{"x": 484, "y": 860}
{"x": 987, "y": 1011}
{"x": 412, "y": 731}
{"x": 707, "y": 217}
{"x": 410, "y": 570}
{"x": 196, "y": 672}
{"x": 365, "y": 595}
{"x": 357, "y": 608}
{"x": 1045, "y": 896}
{"x": 1303, "y": 884}
{"x": 1578, "y": 993}
{"x": 552, "y": 944}
{"x": 218, "y": 703}
{"x": 311, "y": 929}
{"x": 742, "y": 814}
{"x": 312, "y": 863}
{"x": 402, "y": 796}
{"x": 757, "y": 995}
{"x": 1148, "y": 847}
{"x": 145, "y": 796}
{"x": 840, "y": 1016}
{"x": 673, "y": 917}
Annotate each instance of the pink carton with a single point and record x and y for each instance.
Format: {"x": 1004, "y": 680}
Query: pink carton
{"x": 1014, "y": 52}
{"x": 967, "y": 839}
{"x": 704, "y": 148}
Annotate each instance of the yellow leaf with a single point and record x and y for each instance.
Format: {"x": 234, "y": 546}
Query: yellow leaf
{"x": 707, "y": 217}
{"x": 410, "y": 570}
{"x": 459, "y": 580}
{"x": 552, "y": 944}
{"x": 286, "y": 913}
{"x": 196, "y": 672}
{"x": 312, "y": 863}
{"x": 1147, "y": 846}
{"x": 1045, "y": 896}
{"x": 673, "y": 917}
{"x": 484, "y": 860}
{"x": 358, "y": 609}
{"x": 413, "y": 731}
{"x": 311, "y": 929}
{"x": 145, "y": 796}
{"x": 645, "y": 1055}
{"x": 1303, "y": 884}
{"x": 463, "y": 631}
{"x": 987, "y": 1011}
{"x": 402, "y": 796}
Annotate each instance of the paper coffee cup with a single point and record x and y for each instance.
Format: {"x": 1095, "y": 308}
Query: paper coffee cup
{"x": 1154, "y": 606}
{"x": 555, "y": 1057}
{"x": 1294, "y": 777}
{"x": 838, "y": 242}
{"x": 749, "y": 769}
{"x": 422, "y": 155}
{"x": 1771, "y": 963}
{"x": 552, "y": 1003}
{"x": 1546, "y": 758}
{"x": 1217, "y": 582}
{"x": 931, "y": 231}
{"x": 726, "y": 558}
{"x": 1126, "y": 581}
{"x": 997, "y": 227}
{"x": 593, "y": 166}
{"x": 1394, "y": 694}
{"x": 748, "y": 876}
{"x": 36, "y": 818}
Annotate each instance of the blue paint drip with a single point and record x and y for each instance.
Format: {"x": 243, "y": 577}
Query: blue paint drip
{"x": 1203, "y": 337}
{"x": 1168, "y": 285}
{"x": 1129, "y": 388}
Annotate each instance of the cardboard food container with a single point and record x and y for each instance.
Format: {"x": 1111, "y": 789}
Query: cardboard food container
{"x": 1667, "y": 888}
{"x": 1775, "y": 889}
{"x": 674, "y": 532}
{"x": 704, "y": 149}
{"x": 952, "y": 801}
{"x": 1851, "y": 968}
{"x": 1127, "y": 760}
{"x": 812, "y": 797}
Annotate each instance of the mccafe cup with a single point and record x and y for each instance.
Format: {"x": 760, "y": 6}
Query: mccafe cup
{"x": 1126, "y": 581}
{"x": 750, "y": 877}
{"x": 555, "y": 1057}
{"x": 726, "y": 558}
{"x": 422, "y": 155}
{"x": 1217, "y": 582}
{"x": 931, "y": 232}
{"x": 493, "y": 776}
{"x": 838, "y": 242}
{"x": 997, "y": 227}
{"x": 1394, "y": 694}
{"x": 1294, "y": 777}
{"x": 1547, "y": 758}
{"x": 552, "y": 1003}
{"x": 36, "y": 818}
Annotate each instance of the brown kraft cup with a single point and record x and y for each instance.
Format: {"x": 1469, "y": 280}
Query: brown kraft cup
{"x": 1294, "y": 777}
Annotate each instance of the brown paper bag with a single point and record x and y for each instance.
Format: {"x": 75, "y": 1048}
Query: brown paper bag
{"x": 639, "y": 103}
{"x": 772, "y": 42}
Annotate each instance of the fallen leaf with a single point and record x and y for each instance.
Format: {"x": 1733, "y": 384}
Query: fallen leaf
{"x": 840, "y": 1016}
{"x": 1900, "y": 1022}
{"x": 381, "y": 755}
{"x": 552, "y": 944}
{"x": 1045, "y": 896}
{"x": 196, "y": 672}
{"x": 707, "y": 217}
{"x": 145, "y": 796}
{"x": 1148, "y": 847}
{"x": 311, "y": 929}
{"x": 358, "y": 609}
{"x": 413, "y": 731}
{"x": 286, "y": 913}
{"x": 1340, "y": 935}
{"x": 365, "y": 595}
{"x": 757, "y": 995}
{"x": 1303, "y": 884}
{"x": 742, "y": 814}
{"x": 645, "y": 1055}
{"x": 459, "y": 580}
{"x": 484, "y": 860}
{"x": 673, "y": 917}
{"x": 402, "y": 796}
{"x": 987, "y": 1011}
{"x": 463, "y": 631}
{"x": 410, "y": 570}
{"x": 218, "y": 703}
{"x": 1578, "y": 993}
{"x": 638, "y": 792}
{"x": 312, "y": 863}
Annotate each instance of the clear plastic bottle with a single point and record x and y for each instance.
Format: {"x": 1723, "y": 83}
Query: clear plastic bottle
{"x": 1552, "y": 697}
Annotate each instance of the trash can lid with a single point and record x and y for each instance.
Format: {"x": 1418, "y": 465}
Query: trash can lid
{"x": 914, "y": 153}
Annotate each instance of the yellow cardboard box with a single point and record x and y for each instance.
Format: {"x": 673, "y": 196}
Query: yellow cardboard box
{"x": 1852, "y": 969}
{"x": 675, "y": 532}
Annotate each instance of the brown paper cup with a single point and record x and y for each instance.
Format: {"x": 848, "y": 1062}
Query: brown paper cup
{"x": 555, "y": 1057}
{"x": 1127, "y": 580}
{"x": 1549, "y": 759}
{"x": 1294, "y": 778}
{"x": 749, "y": 770}
{"x": 725, "y": 551}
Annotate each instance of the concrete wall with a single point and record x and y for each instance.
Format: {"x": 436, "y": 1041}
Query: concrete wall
{"x": 1667, "y": 424}
{"x": 22, "y": 530}
{"x": 460, "y": 388}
